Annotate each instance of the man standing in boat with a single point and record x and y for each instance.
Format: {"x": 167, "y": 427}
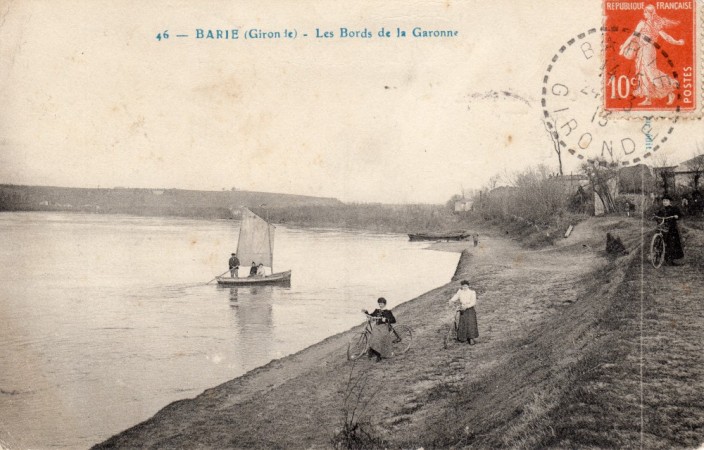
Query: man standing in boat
{"x": 234, "y": 265}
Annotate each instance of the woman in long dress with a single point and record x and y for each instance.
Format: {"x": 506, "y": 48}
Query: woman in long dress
{"x": 464, "y": 300}
{"x": 380, "y": 340}
{"x": 673, "y": 243}
{"x": 652, "y": 82}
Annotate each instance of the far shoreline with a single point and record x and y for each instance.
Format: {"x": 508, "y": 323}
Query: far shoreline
{"x": 291, "y": 225}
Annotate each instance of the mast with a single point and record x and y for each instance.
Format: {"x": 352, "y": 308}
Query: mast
{"x": 268, "y": 234}
{"x": 239, "y": 235}
{"x": 271, "y": 251}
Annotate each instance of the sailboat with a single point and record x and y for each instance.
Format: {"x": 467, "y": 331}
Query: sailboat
{"x": 255, "y": 245}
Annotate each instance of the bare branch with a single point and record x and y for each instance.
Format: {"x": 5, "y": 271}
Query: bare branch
{"x": 551, "y": 128}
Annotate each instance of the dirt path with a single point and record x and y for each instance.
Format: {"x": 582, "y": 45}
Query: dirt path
{"x": 298, "y": 401}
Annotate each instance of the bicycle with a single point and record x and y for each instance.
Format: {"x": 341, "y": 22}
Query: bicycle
{"x": 657, "y": 243}
{"x": 359, "y": 343}
{"x": 451, "y": 334}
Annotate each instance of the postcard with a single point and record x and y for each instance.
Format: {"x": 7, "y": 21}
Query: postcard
{"x": 336, "y": 104}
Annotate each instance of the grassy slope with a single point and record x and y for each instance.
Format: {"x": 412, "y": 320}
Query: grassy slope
{"x": 510, "y": 405}
{"x": 653, "y": 328}
{"x": 580, "y": 379}
{"x": 558, "y": 364}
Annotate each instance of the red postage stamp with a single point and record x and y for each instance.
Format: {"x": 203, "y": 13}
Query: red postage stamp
{"x": 651, "y": 57}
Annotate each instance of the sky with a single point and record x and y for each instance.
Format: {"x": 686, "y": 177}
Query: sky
{"x": 90, "y": 97}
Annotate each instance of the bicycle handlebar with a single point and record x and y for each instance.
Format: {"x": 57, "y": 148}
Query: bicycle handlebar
{"x": 379, "y": 318}
{"x": 661, "y": 220}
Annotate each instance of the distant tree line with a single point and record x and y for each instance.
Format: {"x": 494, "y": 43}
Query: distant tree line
{"x": 145, "y": 202}
{"x": 367, "y": 216}
{"x": 297, "y": 210}
{"x": 537, "y": 199}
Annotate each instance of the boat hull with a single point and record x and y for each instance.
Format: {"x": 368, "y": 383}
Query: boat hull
{"x": 439, "y": 237}
{"x": 274, "y": 278}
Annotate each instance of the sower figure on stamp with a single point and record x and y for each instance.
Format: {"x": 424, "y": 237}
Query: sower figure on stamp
{"x": 652, "y": 82}
{"x": 465, "y": 299}
{"x": 673, "y": 244}
{"x": 234, "y": 264}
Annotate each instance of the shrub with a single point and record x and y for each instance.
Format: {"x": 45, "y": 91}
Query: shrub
{"x": 356, "y": 431}
{"x": 533, "y": 199}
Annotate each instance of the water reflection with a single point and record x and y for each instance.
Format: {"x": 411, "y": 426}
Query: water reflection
{"x": 263, "y": 293}
{"x": 233, "y": 297}
{"x": 252, "y": 310}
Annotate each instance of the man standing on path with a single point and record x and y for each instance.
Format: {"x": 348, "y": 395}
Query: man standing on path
{"x": 234, "y": 265}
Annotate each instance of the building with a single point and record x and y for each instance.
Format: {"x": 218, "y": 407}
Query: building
{"x": 638, "y": 179}
{"x": 688, "y": 174}
{"x": 463, "y": 204}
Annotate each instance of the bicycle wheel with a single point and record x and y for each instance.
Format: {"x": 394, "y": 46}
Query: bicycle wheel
{"x": 451, "y": 335}
{"x": 357, "y": 345}
{"x": 402, "y": 338}
{"x": 657, "y": 250}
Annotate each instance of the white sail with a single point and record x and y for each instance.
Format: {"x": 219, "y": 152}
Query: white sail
{"x": 256, "y": 241}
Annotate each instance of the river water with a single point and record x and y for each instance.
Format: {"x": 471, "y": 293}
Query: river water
{"x": 107, "y": 319}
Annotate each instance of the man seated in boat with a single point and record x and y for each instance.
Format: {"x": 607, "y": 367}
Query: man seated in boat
{"x": 260, "y": 270}
{"x": 253, "y": 269}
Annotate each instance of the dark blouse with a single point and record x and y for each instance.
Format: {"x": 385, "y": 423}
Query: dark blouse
{"x": 384, "y": 316}
{"x": 667, "y": 211}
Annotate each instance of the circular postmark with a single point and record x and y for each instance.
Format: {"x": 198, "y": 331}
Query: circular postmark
{"x": 573, "y": 106}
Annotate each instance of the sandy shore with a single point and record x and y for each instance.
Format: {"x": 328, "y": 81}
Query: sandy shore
{"x": 533, "y": 332}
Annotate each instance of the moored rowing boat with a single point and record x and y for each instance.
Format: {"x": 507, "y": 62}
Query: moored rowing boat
{"x": 454, "y": 236}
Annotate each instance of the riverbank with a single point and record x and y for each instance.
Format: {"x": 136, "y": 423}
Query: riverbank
{"x": 285, "y": 209}
{"x": 546, "y": 334}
